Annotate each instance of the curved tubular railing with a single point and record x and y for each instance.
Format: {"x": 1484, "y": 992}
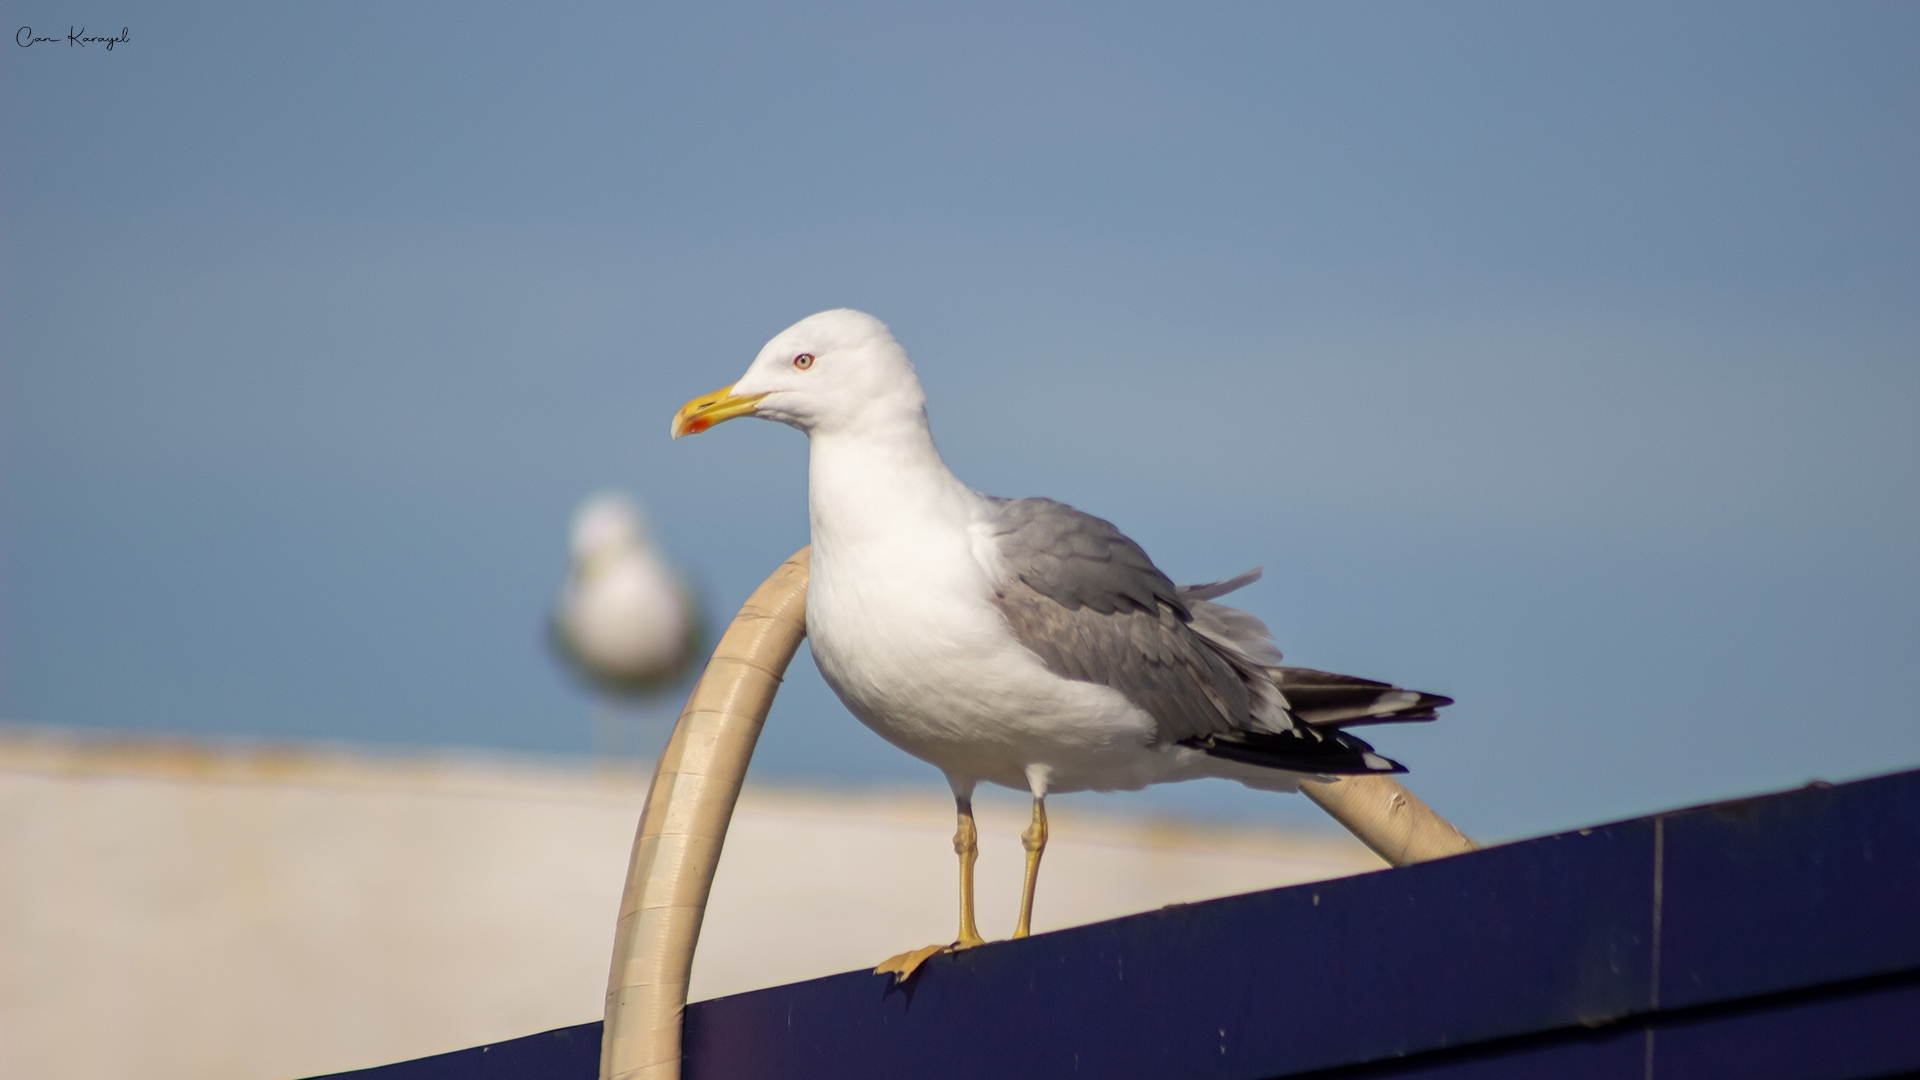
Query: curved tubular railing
{"x": 677, "y": 848}
{"x": 1387, "y": 818}
{"x": 698, "y": 779}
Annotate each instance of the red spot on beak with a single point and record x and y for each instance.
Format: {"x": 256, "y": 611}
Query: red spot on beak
{"x": 698, "y": 424}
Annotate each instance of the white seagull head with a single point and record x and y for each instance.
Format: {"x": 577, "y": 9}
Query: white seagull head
{"x": 836, "y": 371}
{"x": 609, "y": 524}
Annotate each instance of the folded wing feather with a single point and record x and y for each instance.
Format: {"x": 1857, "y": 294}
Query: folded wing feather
{"x": 1093, "y": 607}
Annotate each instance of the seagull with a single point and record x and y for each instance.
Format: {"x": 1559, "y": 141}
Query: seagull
{"x": 1021, "y": 642}
{"x": 625, "y": 622}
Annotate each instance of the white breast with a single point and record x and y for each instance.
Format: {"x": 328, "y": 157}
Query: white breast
{"x": 629, "y": 619}
{"x": 902, "y": 626}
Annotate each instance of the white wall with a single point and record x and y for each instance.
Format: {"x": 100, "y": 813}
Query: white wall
{"x": 173, "y": 910}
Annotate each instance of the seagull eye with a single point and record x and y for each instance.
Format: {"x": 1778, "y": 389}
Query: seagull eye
{"x": 803, "y": 361}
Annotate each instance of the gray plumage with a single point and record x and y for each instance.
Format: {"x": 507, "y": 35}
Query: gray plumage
{"x": 1093, "y": 607}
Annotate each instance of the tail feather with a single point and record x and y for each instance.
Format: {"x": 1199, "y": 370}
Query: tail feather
{"x": 1214, "y": 590}
{"x": 1326, "y": 700}
{"x": 1296, "y": 714}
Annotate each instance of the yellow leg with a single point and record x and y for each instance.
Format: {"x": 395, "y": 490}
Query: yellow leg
{"x": 966, "y": 844}
{"x": 1035, "y": 841}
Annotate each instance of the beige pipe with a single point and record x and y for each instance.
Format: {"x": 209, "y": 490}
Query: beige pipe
{"x": 1387, "y": 818}
{"x": 677, "y": 848}
{"x": 698, "y": 779}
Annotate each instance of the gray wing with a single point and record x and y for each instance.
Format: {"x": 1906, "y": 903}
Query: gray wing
{"x": 1090, "y": 604}
{"x": 1093, "y": 607}
{"x": 1078, "y": 560}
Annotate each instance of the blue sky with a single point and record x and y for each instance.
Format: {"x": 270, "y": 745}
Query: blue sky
{"x": 1562, "y": 359}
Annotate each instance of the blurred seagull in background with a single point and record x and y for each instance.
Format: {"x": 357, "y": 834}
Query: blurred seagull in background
{"x": 625, "y": 622}
{"x": 1021, "y": 642}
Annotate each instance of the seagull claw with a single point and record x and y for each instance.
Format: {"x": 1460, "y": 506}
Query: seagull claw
{"x": 903, "y": 966}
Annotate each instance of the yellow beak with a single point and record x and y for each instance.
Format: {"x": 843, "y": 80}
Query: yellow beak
{"x": 703, "y": 412}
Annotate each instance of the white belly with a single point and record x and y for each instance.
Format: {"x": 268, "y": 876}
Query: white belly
{"x": 630, "y": 621}
{"x": 914, "y": 647}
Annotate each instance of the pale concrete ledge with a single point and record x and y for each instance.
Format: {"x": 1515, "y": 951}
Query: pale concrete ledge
{"x": 253, "y": 912}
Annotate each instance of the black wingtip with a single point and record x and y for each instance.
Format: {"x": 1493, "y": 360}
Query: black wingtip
{"x": 1331, "y": 753}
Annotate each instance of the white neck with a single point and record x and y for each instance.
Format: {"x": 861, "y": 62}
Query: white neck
{"x": 881, "y": 483}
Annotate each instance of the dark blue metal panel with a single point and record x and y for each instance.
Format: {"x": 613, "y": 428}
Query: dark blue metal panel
{"x": 1814, "y": 886}
{"x": 1538, "y": 935}
{"x": 1863, "y": 1032}
{"x": 1611, "y": 1053}
{"x": 568, "y": 1053}
{"x": 1859, "y": 1032}
{"x": 1871, "y": 1031}
{"x": 1787, "y": 949}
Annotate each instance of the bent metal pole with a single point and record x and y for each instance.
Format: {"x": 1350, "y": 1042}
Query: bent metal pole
{"x": 698, "y": 779}
{"x": 677, "y": 847}
{"x": 1387, "y": 818}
